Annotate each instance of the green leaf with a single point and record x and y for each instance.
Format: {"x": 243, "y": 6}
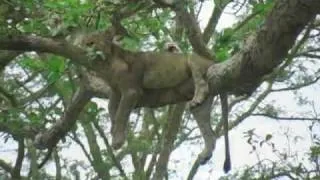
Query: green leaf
{"x": 132, "y": 44}
{"x": 31, "y": 63}
{"x": 56, "y": 64}
{"x": 268, "y": 137}
{"x": 34, "y": 118}
{"x": 139, "y": 145}
{"x": 53, "y": 76}
{"x": 222, "y": 54}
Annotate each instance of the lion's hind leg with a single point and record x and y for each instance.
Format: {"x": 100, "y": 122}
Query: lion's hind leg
{"x": 201, "y": 114}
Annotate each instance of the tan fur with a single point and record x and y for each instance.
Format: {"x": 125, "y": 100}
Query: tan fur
{"x": 129, "y": 74}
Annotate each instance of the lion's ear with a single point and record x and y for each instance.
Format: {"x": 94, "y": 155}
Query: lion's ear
{"x": 172, "y": 47}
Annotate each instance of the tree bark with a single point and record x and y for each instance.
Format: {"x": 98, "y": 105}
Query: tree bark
{"x": 265, "y": 50}
{"x": 171, "y": 130}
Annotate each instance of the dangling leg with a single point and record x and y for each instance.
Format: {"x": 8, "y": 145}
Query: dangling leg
{"x": 128, "y": 101}
{"x": 113, "y": 106}
{"x": 201, "y": 114}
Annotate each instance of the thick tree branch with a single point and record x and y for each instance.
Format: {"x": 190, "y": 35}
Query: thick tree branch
{"x": 50, "y": 138}
{"x": 99, "y": 165}
{"x": 109, "y": 150}
{"x": 15, "y": 173}
{"x": 267, "y": 49}
{"x": 41, "y": 44}
{"x": 194, "y": 33}
{"x": 170, "y": 132}
{"x": 57, "y": 164}
{"x": 5, "y": 166}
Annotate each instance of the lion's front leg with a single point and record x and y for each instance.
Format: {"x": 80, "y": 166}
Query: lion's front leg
{"x": 128, "y": 101}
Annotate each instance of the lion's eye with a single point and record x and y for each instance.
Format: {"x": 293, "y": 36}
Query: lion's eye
{"x": 90, "y": 43}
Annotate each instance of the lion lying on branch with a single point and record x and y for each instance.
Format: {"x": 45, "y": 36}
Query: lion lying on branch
{"x": 127, "y": 71}
{"x": 129, "y": 74}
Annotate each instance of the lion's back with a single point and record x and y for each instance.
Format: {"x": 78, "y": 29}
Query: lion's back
{"x": 165, "y": 70}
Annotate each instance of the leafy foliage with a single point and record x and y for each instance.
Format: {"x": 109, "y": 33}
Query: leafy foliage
{"x": 36, "y": 89}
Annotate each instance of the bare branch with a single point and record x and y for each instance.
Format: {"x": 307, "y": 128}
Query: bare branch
{"x": 286, "y": 118}
{"x": 169, "y": 135}
{"x": 127, "y": 11}
{"x": 17, "y": 167}
{"x": 252, "y": 107}
{"x": 297, "y": 86}
{"x": 246, "y": 20}
{"x": 51, "y": 137}
{"x": 5, "y": 166}
{"x": 109, "y": 149}
{"x": 83, "y": 148}
{"x": 247, "y": 113}
{"x": 58, "y": 164}
{"x": 194, "y": 169}
{"x": 99, "y": 165}
{"x": 214, "y": 19}
{"x": 309, "y": 55}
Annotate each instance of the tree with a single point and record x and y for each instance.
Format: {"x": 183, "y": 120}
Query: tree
{"x": 41, "y": 89}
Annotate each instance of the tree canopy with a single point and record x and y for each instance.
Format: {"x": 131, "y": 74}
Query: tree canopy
{"x": 49, "y": 82}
